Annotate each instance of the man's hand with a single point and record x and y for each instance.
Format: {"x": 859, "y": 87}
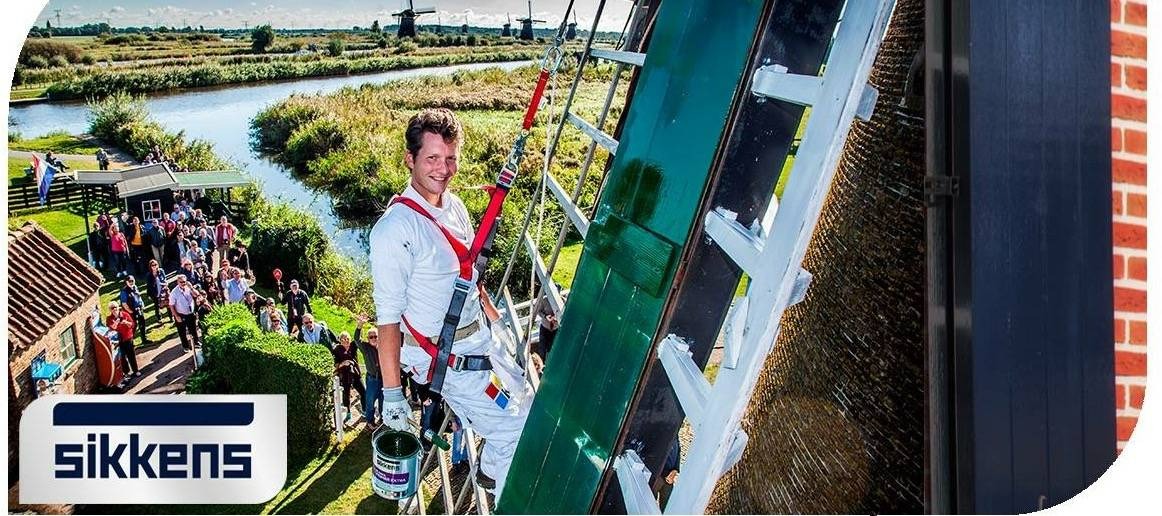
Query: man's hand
{"x": 360, "y": 320}
{"x": 395, "y": 409}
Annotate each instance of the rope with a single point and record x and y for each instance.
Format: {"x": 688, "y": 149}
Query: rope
{"x": 552, "y": 147}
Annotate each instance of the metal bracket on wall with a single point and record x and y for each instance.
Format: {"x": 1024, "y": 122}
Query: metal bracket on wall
{"x": 939, "y": 188}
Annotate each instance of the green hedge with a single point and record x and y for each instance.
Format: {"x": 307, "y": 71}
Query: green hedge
{"x": 293, "y": 240}
{"x": 241, "y": 359}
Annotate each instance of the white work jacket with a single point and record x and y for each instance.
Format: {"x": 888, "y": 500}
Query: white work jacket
{"x": 414, "y": 268}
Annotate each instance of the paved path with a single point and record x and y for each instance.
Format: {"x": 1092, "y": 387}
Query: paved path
{"x": 164, "y": 368}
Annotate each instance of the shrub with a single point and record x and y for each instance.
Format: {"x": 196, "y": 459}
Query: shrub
{"x": 335, "y": 47}
{"x": 88, "y": 59}
{"x": 58, "y": 61}
{"x": 125, "y": 39}
{"x": 404, "y": 46}
{"x": 37, "y": 62}
{"x": 261, "y": 38}
{"x": 123, "y": 120}
{"x": 241, "y": 359}
{"x": 289, "y": 239}
{"x": 49, "y": 49}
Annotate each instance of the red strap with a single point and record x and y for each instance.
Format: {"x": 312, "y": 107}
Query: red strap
{"x": 428, "y": 346}
{"x": 462, "y": 254}
{"x": 539, "y": 91}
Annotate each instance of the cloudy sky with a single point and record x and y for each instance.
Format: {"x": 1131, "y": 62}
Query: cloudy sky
{"x": 316, "y": 13}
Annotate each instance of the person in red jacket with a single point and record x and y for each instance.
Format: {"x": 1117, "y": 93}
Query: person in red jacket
{"x": 121, "y": 320}
{"x": 224, "y": 234}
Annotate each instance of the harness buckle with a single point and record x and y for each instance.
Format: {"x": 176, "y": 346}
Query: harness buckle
{"x": 462, "y": 285}
{"x": 458, "y": 363}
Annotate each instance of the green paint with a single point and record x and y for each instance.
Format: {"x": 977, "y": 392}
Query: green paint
{"x": 698, "y": 53}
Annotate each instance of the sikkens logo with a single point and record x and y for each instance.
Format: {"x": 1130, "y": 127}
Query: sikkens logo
{"x": 153, "y": 449}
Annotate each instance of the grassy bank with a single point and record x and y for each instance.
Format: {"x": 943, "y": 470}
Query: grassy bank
{"x": 350, "y": 143}
{"x": 59, "y": 142}
{"x": 102, "y": 82}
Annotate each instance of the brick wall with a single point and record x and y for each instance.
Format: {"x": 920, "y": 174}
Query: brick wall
{"x": 1128, "y": 138}
{"x": 80, "y": 377}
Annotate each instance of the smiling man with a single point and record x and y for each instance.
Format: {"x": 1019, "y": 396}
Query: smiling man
{"x": 414, "y": 266}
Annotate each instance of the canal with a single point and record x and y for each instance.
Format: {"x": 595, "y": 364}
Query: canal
{"x": 222, "y": 116}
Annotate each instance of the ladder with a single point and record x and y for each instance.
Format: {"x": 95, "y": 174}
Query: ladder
{"x": 770, "y": 253}
{"x": 520, "y": 330}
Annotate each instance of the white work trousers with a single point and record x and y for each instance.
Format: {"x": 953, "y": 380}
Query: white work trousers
{"x": 495, "y": 404}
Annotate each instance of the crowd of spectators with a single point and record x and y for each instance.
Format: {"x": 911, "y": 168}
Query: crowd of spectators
{"x": 156, "y": 155}
{"x": 186, "y": 264}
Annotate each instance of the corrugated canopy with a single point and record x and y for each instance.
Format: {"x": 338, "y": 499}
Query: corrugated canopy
{"x": 214, "y": 179}
{"x": 149, "y": 178}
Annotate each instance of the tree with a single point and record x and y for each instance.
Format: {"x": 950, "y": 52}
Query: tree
{"x": 375, "y": 27}
{"x": 261, "y": 38}
{"x": 335, "y": 47}
{"x": 47, "y": 29}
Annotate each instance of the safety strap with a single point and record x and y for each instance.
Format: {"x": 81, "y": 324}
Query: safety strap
{"x": 462, "y": 254}
{"x": 481, "y": 251}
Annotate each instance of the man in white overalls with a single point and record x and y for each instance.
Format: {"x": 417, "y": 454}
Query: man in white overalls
{"x": 415, "y": 249}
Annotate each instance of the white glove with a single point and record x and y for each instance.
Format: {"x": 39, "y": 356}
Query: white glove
{"x": 396, "y": 409}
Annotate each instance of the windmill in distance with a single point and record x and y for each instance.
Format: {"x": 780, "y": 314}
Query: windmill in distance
{"x": 506, "y": 32}
{"x": 407, "y": 18}
{"x": 526, "y": 24}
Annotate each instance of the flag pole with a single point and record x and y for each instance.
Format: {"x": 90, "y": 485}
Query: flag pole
{"x": 88, "y": 229}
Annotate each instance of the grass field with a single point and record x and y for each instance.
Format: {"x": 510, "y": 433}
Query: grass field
{"x": 58, "y": 142}
{"x": 339, "y": 145}
{"x": 139, "y": 63}
{"x": 16, "y": 166}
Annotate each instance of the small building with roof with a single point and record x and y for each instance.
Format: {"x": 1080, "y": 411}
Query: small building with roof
{"x": 147, "y": 191}
{"x": 52, "y": 293}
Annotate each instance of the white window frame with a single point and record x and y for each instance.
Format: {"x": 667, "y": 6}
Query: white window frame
{"x": 68, "y": 350}
{"x": 151, "y": 210}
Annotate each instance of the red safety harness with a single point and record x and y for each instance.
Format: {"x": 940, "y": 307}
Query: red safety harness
{"x": 477, "y": 257}
{"x": 463, "y": 256}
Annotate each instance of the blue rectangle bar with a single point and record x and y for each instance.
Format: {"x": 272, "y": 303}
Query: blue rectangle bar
{"x": 153, "y": 414}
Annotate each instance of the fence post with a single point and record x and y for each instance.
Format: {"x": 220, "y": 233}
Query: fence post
{"x": 338, "y": 398}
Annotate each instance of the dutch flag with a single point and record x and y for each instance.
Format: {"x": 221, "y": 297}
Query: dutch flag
{"x": 43, "y": 172}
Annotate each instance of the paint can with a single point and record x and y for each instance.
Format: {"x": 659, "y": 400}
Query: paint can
{"x": 395, "y": 464}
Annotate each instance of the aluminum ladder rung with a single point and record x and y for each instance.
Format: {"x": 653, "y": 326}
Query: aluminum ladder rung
{"x": 634, "y": 479}
{"x": 598, "y": 136}
{"x": 619, "y": 56}
{"x": 742, "y": 245}
{"x": 686, "y": 378}
{"x": 556, "y": 302}
{"x": 576, "y": 216}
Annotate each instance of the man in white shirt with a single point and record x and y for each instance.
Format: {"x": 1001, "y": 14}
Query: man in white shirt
{"x": 181, "y": 306}
{"x": 414, "y": 268}
{"x": 236, "y": 286}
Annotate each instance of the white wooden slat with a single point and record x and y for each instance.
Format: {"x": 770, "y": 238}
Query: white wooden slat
{"x": 742, "y": 245}
{"x": 782, "y": 252}
{"x": 773, "y": 81}
{"x": 576, "y": 216}
{"x": 619, "y": 56}
{"x": 634, "y": 478}
{"x": 601, "y": 138}
{"x": 556, "y": 302}
{"x": 686, "y": 378}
